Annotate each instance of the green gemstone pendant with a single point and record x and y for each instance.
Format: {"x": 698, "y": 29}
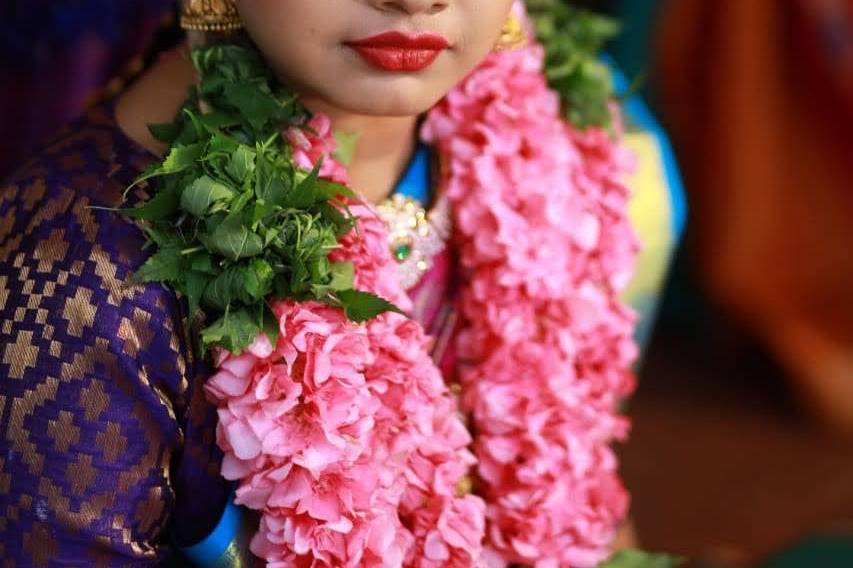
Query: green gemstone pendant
{"x": 402, "y": 251}
{"x": 415, "y": 236}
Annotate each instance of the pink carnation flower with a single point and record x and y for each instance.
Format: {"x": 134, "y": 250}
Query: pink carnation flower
{"x": 315, "y": 144}
{"x": 448, "y": 533}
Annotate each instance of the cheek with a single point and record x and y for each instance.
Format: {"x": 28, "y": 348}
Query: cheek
{"x": 482, "y": 25}
{"x": 286, "y": 26}
{"x": 288, "y": 36}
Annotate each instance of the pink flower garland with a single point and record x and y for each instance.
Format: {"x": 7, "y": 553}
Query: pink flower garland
{"x": 546, "y": 247}
{"x": 345, "y": 437}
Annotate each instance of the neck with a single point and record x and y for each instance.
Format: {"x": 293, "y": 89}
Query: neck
{"x": 155, "y": 98}
{"x": 383, "y": 148}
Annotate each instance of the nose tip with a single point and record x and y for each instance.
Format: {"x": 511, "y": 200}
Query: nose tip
{"x": 412, "y": 6}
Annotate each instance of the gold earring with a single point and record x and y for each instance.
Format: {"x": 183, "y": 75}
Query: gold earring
{"x": 210, "y": 16}
{"x": 513, "y": 35}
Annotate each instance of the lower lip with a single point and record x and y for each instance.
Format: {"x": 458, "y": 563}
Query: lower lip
{"x": 397, "y": 59}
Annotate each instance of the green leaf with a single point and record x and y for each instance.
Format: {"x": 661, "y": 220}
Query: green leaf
{"x": 258, "y": 277}
{"x": 235, "y": 221}
{"x": 166, "y": 132}
{"x": 242, "y": 164}
{"x": 217, "y": 119}
{"x": 234, "y": 241}
{"x": 281, "y": 286}
{"x": 244, "y": 284}
{"x": 255, "y": 105}
{"x": 271, "y": 235}
{"x": 344, "y": 223}
{"x": 312, "y": 191}
{"x": 239, "y": 204}
{"x": 302, "y": 196}
{"x": 327, "y": 190}
{"x": 189, "y": 134}
{"x": 182, "y": 157}
{"x": 573, "y": 39}
{"x": 298, "y": 277}
{"x": 163, "y": 205}
{"x": 269, "y": 325}
{"x": 343, "y": 274}
{"x": 640, "y": 559}
{"x": 198, "y": 198}
{"x": 226, "y": 289}
{"x": 229, "y": 62}
{"x": 261, "y": 211}
{"x": 270, "y": 182}
{"x": 179, "y": 159}
{"x": 211, "y": 223}
{"x": 234, "y": 331}
{"x": 198, "y": 129}
{"x": 221, "y": 145}
{"x": 363, "y": 306}
{"x": 201, "y": 262}
{"x": 165, "y": 265}
{"x": 195, "y": 284}
{"x": 161, "y": 238}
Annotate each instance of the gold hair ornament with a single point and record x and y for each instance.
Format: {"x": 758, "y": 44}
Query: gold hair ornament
{"x": 513, "y": 35}
{"x": 210, "y": 16}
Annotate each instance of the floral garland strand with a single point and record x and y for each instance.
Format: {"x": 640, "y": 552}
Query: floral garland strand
{"x": 344, "y": 436}
{"x": 545, "y": 244}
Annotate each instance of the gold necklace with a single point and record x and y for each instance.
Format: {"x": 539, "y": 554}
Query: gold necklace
{"x": 415, "y": 235}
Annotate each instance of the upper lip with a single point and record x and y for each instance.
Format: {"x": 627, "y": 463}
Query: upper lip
{"x": 403, "y": 40}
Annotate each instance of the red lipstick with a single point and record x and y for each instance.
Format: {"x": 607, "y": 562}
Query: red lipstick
{"x": 400, "y": 52}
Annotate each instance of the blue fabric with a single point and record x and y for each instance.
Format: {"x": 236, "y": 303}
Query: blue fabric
{"x": 638, "y": 112}
{"x": 211, "y": 549}
{"x": 415, "y": 182}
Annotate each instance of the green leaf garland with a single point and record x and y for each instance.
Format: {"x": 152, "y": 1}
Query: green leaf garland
{"x": 573, "y": 39}
{"x": 234, "y": 221}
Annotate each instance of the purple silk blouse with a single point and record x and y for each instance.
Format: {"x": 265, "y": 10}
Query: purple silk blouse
{"x": 108, "y": 450}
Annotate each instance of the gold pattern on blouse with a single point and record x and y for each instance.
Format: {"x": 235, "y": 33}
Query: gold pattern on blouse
{"x": 72, "y": 408}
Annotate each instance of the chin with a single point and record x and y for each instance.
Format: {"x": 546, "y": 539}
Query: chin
{"x": 395, "y": 108}
{"x": 401, "y": 97}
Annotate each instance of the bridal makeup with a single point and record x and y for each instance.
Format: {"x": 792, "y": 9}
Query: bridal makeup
{"x": 400, "y": 52}
{"x": 374, "y": 57}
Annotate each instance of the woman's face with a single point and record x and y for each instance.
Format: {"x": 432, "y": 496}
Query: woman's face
{"x": 374, "y": 57}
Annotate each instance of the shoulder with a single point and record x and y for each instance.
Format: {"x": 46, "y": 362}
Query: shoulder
{"x": 60, "y": 240}
{"x": 61, "y": 191}
{"x": 88, "y": 161}
{"x": 66, "y": 260}
{"x": 95, "y": 373}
